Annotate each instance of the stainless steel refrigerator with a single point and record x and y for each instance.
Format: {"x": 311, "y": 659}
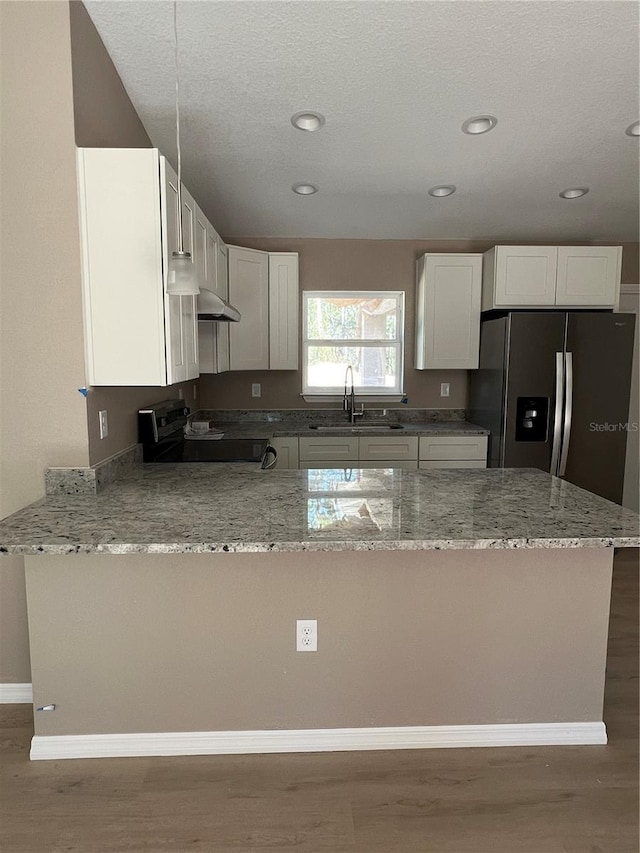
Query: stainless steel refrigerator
{"x": 553, "y": 388}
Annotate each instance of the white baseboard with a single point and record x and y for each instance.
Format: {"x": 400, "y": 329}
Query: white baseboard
{"x": 314, "y": 740}
{"x": 15, "y": 694}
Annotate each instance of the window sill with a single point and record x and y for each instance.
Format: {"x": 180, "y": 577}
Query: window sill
{"x": 360, "y": 398}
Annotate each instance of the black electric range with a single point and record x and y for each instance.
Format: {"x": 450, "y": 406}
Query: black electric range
{"x": 161, "y": 432}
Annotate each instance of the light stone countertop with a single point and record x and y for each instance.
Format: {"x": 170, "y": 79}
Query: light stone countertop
{"x": 258, "y": 429}
{"x": 200, "y": 508}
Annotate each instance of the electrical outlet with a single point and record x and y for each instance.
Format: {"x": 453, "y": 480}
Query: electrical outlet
{"x": 444, "y": 389}
{"x": 306, "y": 635}
{"x": 104, "y": 423}
{"x": 181, "y": 393}
{"x": 195, "y": 391}
{"x": 256, "y": 389}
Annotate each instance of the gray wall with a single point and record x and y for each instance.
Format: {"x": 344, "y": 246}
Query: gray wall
{"x": 42, "y": 415}
{"x": 206, "y": 642}
{"x": 58, "y": 85}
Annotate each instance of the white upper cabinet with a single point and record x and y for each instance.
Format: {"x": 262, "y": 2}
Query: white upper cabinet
{"x": 448, "y": 292}
{"x": 136, "y": 334}
{"x": 520, "y": 276}
{"x": 283, "y": 311}
{"x": 213, "y": 336}
{"x": 249, "y": 293}
{"x": 550, "y": 276}
{"x": 263, "y": 286}
{"x": 589, "y": 275}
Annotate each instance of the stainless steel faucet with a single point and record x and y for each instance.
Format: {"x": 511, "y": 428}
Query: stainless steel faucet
{"x": 349, "y": 401}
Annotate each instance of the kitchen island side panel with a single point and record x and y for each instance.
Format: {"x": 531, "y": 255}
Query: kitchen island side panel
{"x": 197, "y": 642}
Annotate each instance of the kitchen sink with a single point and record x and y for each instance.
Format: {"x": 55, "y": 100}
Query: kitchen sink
{"x": 376, "y": 426}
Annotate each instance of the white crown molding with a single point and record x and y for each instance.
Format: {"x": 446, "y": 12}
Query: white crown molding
{"x": 629, "y": 288}
{"x": 16, "y": 694}
{"x": 315, "y": 740}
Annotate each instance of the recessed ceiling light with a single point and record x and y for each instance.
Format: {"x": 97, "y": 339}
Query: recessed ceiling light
{"x": 578, "y": 192}
{"x": 307, "y": 120}
{"x": 633, "y": 129}
{"x": 305, "y": 189}
{"x": 479, "y": 124}
{"x": 442, "y": 192}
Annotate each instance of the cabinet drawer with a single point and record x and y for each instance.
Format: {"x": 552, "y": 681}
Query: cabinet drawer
{"x": 452, "y": 463}
{"x": 387, "y": 447}
{"x": 448, "y": 447}
{"x": 404, "y": 464}
{"x": 329, "y": 449}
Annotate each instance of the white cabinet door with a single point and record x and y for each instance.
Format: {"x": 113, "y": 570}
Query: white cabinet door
{"x": 385, "y": 447}
{"x": 176, "y": 366}
{"x": 122, "y": 266}
{"x": 222, "y": 287}
{"x": 329, "y": 449}
{"x": 181, "y": 317}
{"x": 449, "y": 289}
{"x": 249, "y": 292}
{"x": 188, "y": 304}
{"x": 283, "y": 311}
{"x": 287, "y": 449}
{"x": 213, "y": 336}
{"x": 524, "y": 276}
{"x": 588, "y": 275}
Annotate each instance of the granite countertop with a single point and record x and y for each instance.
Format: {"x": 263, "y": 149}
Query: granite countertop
{"x": 235, "y": 507}
{"x": 292, "y": 423}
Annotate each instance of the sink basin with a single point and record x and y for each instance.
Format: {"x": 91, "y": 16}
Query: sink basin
{"x": 376, "y": 426}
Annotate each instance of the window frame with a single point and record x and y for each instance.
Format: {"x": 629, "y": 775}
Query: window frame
{"x": 397, "y": 343}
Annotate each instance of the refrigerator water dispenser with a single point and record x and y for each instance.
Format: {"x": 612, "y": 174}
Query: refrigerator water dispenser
{"x": 532, "y": 418}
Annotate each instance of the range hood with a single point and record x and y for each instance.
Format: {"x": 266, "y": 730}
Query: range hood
{"x": 213, "y": 307}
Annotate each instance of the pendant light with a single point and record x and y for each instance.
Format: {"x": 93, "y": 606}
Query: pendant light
{"x": 182, "y": 279}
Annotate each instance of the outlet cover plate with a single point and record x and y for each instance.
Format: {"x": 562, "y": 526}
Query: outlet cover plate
{"x": 306, "y": 635}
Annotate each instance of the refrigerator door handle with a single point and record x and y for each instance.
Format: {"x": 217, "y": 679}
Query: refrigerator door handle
{"x": 568, "y": 405}
{"x": 557, "y": 417}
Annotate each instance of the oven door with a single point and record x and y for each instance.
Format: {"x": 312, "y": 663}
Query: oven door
{"x": 269, "y": 458}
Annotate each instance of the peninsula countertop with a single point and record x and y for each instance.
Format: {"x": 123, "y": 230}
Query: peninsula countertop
{"x": 200, "y": 508}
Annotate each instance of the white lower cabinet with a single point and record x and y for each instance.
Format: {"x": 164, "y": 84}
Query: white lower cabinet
{"x": 453, "y": 451}
{"x": 385, "y": 451}
{"x": 372, "y": 448}
{"x": 287, "y": 449}
{"x": 403, "y": 464}
{"x": 452, "y": 463}
{"x": 328, "y": 449}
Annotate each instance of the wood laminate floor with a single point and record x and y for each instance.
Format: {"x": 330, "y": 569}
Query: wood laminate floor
{"x": 508, "y": 800}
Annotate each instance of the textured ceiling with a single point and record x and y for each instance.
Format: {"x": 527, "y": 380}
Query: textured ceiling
{"x": 395, "y": 81}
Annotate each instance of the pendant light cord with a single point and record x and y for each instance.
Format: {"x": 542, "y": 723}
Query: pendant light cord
{"x": 175, "y": 39}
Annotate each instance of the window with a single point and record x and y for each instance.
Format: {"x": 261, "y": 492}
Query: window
{"x": 363, "y": 329}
